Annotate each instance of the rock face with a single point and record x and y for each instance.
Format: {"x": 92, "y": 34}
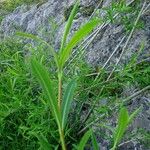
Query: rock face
{"x": 31, "y": 18}
{"x": 37, "y": 19}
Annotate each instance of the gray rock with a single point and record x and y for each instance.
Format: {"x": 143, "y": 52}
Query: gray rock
{"x": 30, "y": 19}
{"x": 35, "y": 18}
{"x": 143, "y": 100}
{"x": 131, "y": 145}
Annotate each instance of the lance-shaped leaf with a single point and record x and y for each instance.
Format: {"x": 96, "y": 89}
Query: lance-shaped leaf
{"x": 67, "y": 100}
{"x": 123, "y": 122}
{"x": 77, "y": 37}
{"x": 43, "y": 77}
{"x": 122, "y": 125}
{"x": 84, "y": 140}
{"x": 68, "y": 25}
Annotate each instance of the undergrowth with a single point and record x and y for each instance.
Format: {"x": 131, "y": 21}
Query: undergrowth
{"x": 23, "y": 110}
{"x": 10, "y": 5}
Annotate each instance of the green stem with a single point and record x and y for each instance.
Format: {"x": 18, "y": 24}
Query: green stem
{"x": 61, "y": 132}
{"x": 62, "y": 139}
{"x": 113, "y": 148}
{"x": 59, "y": 90}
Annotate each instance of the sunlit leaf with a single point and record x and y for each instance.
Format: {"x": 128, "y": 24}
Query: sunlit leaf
{"x": 77, "y": 37}
{"x": 69, "y": 24}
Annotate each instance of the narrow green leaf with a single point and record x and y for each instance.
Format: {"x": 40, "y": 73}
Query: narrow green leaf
{"x": 69, "y": 24}
{"x": 84, "y": 140}
{"x": 77, "y": 37}
{"x": 123, "y": 122}
{"x": 123, "y": 116}
{"x": 122, "y": 125}
{"x": 67, "y": 100}
{"x": 134, "y": 114}
{"x": 44, "y": 145}
{"x": 94, "y": 142}
{"x": 43, "y": 78}
{"x": 36, "y": 38}
{"x": 30, "y": 36}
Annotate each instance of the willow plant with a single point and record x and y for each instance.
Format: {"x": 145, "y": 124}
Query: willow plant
{"x": 60, "y": 105}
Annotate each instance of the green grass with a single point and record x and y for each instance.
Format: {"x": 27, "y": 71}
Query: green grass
{"x": 10, "y": 5}
{"x": 22, "y": 106}
{"x": 23, "y": 111}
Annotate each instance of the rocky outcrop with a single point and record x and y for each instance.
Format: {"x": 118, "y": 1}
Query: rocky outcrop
{"x": 36, "y": 20}
{"x": 31, "y": 18}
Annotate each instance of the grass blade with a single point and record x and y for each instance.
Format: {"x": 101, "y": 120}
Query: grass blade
{"x": 94, "y": 142}
{"x": 69, "y": 24}
{"x": 84, "y": 140}
{"x": 68, "y": 97}
{"x": 43, "y": 78}
{"x": 134, "y": 114}
{"x": 44, "y": 145}
{"x": 77, "y": 37}
{"x": 36, "y": 38}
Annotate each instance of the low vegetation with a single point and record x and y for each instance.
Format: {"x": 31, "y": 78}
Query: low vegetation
{"x": 10, "y": 5}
